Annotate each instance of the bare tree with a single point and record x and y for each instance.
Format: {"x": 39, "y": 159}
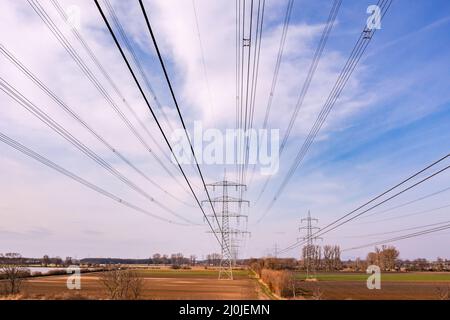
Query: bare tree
{"x": 136, "y": 285}
{"x": 389, "y": 256}
{"x": 336, "y": 257}
{"x": 46, "y": 260}
{"x": 372, "y": 258}
{"x": 122, "y": 284}
{"x": 157, "y": 258}
{"x": 68, "y": 261}
{"x": 328, "y": 257}
{"x": 12, "y": 271}
{"x": 385, "y": 258}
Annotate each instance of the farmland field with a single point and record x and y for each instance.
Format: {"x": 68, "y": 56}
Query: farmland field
{"x": 158, "y": 284}
{"x": 202, "y": 284}
{"x": 414, "y": 285}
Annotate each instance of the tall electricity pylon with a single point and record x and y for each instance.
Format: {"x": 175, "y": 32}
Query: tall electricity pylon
{"x": 310, "y": 252}
{"x": 226, "y": 232}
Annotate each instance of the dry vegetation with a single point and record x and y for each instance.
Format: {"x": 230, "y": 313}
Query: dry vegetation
{"x": 122, "y": 284}
{"x": 144, "y": 283}
{"x": 12, "y": 274}
{"x": 280, "y": 282}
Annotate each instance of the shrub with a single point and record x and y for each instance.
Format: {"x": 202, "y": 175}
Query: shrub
{"x": 122, "y": 284}
{"x": 280, "y": 282}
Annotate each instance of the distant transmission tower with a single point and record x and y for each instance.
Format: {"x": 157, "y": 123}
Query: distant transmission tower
{"x": 275, "y": 251}
{"x": 229, "y": 250}
{"x": 310, "y": 250}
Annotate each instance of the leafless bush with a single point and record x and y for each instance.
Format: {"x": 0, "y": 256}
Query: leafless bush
{"x": 13, "y": 273}
{"x": 280, "y": 282}
{"x": 122, "y": 284}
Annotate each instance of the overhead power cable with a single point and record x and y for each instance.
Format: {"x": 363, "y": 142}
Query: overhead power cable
{"x": 40, "y": 11}
{"x": 273, "y": 86}
{"x": 108, "y": 77}
{"x": 355, "y": 56}
{"x": 397, "y": 231}
{"x": 403, "y": 237}
{"x": 60, "y": 130}
{"x": 30, "y": 153}
{"x": 22, "y": 68}
{"x": 306, "y": 84}
{"x": 408, "y": 214}
{"x": 335, "y": 224}
{"x": 136, "y": 61}
{"x": 169, "y": 84}
{"x": 212, "y": 105}
{"x": 254, "y": 84}
{"x": 157, "y": 121}
{"x": 408, "y": 202}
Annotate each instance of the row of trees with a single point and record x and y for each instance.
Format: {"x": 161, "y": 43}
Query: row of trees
{"x": 44, "y": 261}
{"x": 56, "y": 261}
{"x": 174, "y": 259}
{"x": 331, "y": 258}
{"x": 326, "y": 258}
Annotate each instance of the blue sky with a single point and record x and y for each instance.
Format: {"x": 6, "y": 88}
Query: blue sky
{"x": 391, "y": 120}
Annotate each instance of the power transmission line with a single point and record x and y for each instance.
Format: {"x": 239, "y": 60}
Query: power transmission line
{"x": 403, "y": 237}
{"x": 136, "y": 60}
{"x": 409, "y": 214}
{"x": 22, "y": 68}
{"x": 323, "y": 230}
{"x": 60, "y": 130}
{"x": 356, "y": 54}
{"x": 408, "y": 202}
{"x": 30, "y": 153}
{"x": 247, "y": 43}
{"x": 212, "y": 106}
{"x": 156, "y": 119}
{"x": 310, "y": 250}
{"x": 228, "y": 258}
{"x": 105, "y": 73}
{"x": 397, "y": 231}
{"x": 36, "y": 6}
{"x": 307, "y": 82}
{"x": 169, "y": 84}
{"x": 238, "y": 79}
{"x": 287, "y": 19}
{"x": 254, "y": 83}
{"x": 374, "y": 206}
{"x": 312, "y": 69}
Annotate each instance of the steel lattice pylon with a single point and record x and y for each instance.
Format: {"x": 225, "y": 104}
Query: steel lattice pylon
{"x": 228, "y": 234}
{"x": 309, "y": 249}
